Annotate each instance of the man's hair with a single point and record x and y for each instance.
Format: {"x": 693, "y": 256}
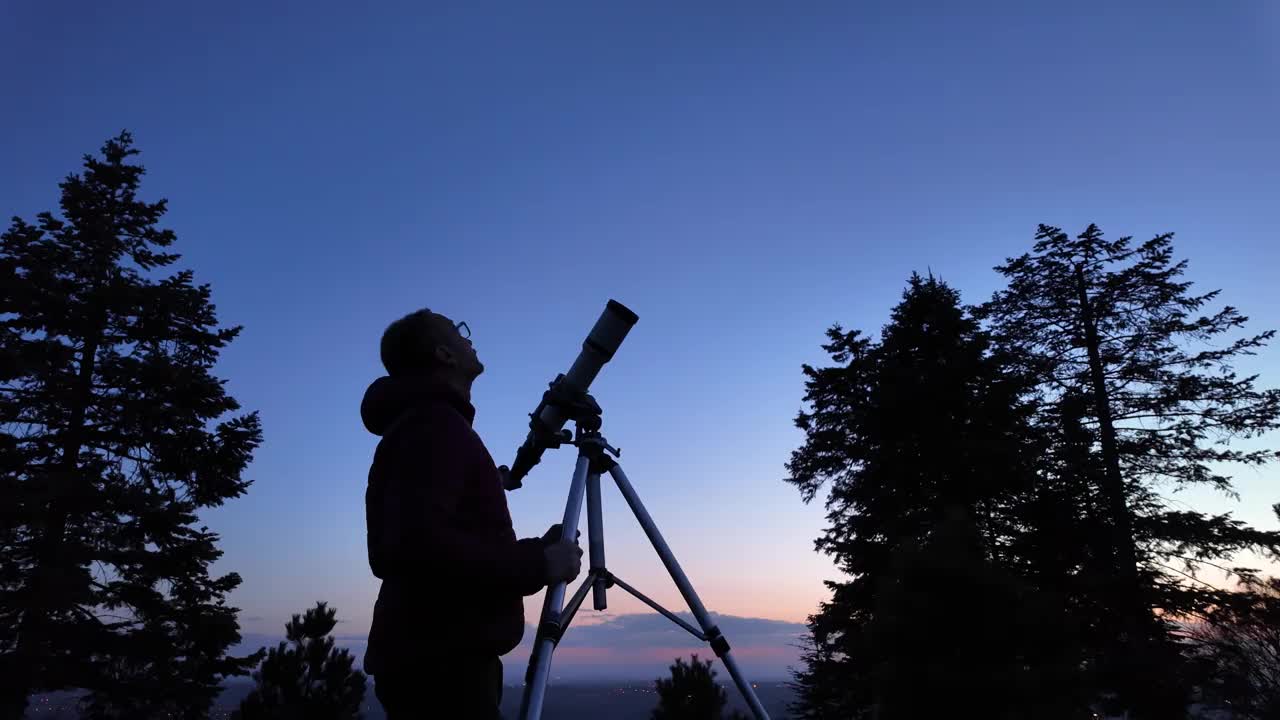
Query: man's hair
{"x": 408, "y": 344}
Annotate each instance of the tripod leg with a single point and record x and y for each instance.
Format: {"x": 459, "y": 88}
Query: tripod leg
{"x": 718, "y": 642}
{"x": 544, "y": 644}
{"x": 595, "y": 540}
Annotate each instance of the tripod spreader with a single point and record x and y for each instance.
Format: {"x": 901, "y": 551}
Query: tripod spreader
{"x": 554, "y": 629}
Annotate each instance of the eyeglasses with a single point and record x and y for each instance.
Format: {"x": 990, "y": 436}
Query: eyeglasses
{"x": 463, "y": 330}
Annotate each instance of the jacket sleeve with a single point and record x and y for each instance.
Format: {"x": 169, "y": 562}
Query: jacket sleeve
{"x": 428, "y": 480}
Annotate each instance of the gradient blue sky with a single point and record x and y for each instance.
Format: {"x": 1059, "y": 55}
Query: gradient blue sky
{"x": 741, "y": 174}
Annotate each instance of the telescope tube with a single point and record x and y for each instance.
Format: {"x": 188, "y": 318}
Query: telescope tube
{"x": 602, "y": 342}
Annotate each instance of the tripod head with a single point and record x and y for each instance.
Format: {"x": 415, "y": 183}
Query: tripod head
{"x": 569, "y": 403}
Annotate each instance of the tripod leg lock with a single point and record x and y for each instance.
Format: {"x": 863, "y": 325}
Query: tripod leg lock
{"x": 718, "y": 642}
{"x": 550, "y": 630}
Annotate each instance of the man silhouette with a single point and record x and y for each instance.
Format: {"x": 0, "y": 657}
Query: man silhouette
{"x": 439, "y": 533}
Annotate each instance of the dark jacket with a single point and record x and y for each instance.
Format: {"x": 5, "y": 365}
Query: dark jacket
{"x": 439, "y": 533}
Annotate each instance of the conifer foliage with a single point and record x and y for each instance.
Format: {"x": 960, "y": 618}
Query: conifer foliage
{"x": 921, "y": 430}
{"x": 114, "y": 433}
{"x": 1113, "y": 329}
{"x": 1024, "y": 452}
{"x": 306, "y": 677}
{"x": 692, "y": 693}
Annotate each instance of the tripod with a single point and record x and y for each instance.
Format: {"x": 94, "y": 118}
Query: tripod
{"x": 594, "y": 460}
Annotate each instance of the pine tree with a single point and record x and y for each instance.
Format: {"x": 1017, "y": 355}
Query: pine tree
{"x": 107, "y": 455}
{"x": 691, "y": 693}
{"x": 908, "y": 431}
{"x": 1113, "y": 331}
{"x": 306, "y": 678}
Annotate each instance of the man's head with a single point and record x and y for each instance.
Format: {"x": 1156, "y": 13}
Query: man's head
{"x": 427, "y": 343}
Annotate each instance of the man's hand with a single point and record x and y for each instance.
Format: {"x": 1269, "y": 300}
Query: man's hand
{"x": 564, "y": 561}
{"x": 553, "y": 534}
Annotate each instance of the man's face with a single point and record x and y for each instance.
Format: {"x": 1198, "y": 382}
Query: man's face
{"x": 455, "y": 351}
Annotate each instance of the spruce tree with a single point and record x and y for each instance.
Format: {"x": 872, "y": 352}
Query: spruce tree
{"x": 306, "y": 678}
{"x": 1114, "y": 333}
{"x": 691, "y": 693}
{"x": 907, "y": 431}
{"x": 114, "y": 434}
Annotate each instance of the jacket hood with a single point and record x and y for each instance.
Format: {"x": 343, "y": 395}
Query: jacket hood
{"x": 389, "y": 397}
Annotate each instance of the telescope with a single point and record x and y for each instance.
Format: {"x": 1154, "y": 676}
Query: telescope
{"x": 567, "y": 399}
{"x": 567, "y": 395}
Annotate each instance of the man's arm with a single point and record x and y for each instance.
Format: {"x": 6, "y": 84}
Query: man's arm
{"x": 427, "y": 483}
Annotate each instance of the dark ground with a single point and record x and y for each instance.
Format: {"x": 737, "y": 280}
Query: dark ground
{"x": 628, "y": 700}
